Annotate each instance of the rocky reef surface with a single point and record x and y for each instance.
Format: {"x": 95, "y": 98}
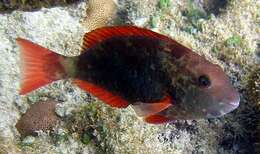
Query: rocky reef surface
{"x": 226, "y": 33}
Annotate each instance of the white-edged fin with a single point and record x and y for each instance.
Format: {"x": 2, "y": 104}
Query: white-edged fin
{"x": 146, "y": 109}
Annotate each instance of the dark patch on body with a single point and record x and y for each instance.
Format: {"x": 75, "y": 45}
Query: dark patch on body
{"x": 130, "y": 67}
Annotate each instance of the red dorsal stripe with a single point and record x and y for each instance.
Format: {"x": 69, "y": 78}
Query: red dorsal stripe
{"x": 102, "y": 94}
{"x": 39, "y": 66}
{"x": 96, "y": 36}
{"x": 146, "y": 109}
{"x": 156, "y": 119}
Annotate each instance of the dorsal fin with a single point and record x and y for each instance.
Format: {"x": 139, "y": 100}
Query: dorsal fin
{"x": 101, "y": 34}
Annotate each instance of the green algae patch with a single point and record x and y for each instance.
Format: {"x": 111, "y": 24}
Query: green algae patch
{"x": 233, "y": 41}
{"x": 86, "y": 137}
{"x": 164, "y": 3}
{"x": 193, "y": 12}
{"x": 154, "y": 21}
{"x": 194, "y": 15}
{"x": 215, "y": 49}
{"x": 59, "y": 136}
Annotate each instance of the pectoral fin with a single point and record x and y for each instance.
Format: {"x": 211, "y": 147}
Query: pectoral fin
{"x": 156, "y": 119}
{"x": 146, "y": 109}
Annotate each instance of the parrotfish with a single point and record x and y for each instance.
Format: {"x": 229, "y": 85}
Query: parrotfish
{"x": 131, "y": 66}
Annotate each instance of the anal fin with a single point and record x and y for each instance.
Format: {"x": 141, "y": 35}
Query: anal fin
{"x": 101, "y": 93}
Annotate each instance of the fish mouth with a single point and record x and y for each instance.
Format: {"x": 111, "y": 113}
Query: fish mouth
{"x": 234, "y": 100}
{"x": 225, "y": 106}
{"x": 233, "y": 105}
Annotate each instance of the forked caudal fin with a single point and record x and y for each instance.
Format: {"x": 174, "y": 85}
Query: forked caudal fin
{"x": 39, "y": 66}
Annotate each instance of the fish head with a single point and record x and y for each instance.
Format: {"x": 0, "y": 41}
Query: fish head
{"x": 202, "y": 90}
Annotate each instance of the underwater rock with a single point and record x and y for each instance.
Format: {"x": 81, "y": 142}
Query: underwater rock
{"x": 59, "y": 29}
{"x": 28, "y": 140}
{"x": 254, "y": 85}
{"x": 132, "y": 11}
{"x": 9, "y": 148}
{"x": 246, "y": 138}
{"x": 253, "y": 122}
{"x": 41, "y": 116}
{"x": 212, "y": 6}
{"x": 257, "y": 143}
{"x": 257, "y": 52}
{"x": 32, "y": 5}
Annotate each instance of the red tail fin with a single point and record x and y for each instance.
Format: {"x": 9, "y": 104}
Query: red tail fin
{"x": 40, "y": 66}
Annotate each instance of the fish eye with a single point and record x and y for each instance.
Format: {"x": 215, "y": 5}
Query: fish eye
{"x": 204, "y": 81}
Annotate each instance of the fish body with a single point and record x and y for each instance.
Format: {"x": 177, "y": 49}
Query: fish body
{"x": 127, "y": 65}
{"x": 132, "y": 67}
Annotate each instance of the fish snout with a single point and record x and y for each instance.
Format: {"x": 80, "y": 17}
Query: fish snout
{"x": 224, "y": 105}
{"x": 233, "y": 100}
{"x": 229, "y": 103}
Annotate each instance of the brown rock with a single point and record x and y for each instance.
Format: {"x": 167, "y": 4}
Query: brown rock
{"x": 41, "y": 116}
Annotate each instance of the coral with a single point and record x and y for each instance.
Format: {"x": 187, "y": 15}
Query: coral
{"x": 99, "y": 13}
{"x": 40, "y": 116}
